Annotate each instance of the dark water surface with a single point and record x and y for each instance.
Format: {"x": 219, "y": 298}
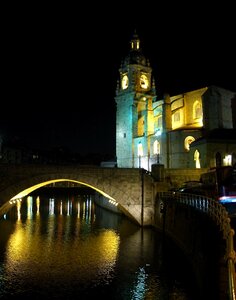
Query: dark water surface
{"x": 66, "y": 247}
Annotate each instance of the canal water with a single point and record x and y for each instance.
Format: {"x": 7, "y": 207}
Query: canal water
{"x": 66, "y": 247}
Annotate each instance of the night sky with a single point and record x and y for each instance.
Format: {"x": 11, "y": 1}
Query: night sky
{"x": 60, "y": 66}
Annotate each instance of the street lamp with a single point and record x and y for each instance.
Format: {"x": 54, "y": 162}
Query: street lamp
{"x": 140, "y": 153}
{"x": 156, "y": 150}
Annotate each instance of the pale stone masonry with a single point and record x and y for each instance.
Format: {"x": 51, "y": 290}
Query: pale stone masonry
{"x": 174, "y": 131}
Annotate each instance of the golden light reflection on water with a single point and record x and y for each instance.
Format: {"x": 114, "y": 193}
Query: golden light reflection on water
{"x": 60, "y": 245}
{"x": 54, "y": 247}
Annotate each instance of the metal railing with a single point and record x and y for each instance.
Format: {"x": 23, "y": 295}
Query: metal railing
{"x": 220, "y": 216}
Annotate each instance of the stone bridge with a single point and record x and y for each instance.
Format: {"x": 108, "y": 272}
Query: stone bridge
{"x": 138, "y": 197}
{"x": 132, "y": 188}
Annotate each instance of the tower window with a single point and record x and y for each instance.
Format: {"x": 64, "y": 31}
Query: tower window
{"x": 124, "y": 135}
{"x": 141, "y": 126}
{"x": 135, "y": 45}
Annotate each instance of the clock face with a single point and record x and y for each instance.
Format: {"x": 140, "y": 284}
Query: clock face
{"x": 144, "y": 83}
{"x": 125, "y": 82}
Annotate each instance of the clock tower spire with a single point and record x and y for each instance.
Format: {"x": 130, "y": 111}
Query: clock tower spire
{"x": 134, "y": 96}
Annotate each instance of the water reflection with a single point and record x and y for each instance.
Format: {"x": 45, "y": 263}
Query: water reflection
{"x": 66, "y": 247}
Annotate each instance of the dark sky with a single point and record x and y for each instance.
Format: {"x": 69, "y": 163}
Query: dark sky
{"x": 60, "y": 66}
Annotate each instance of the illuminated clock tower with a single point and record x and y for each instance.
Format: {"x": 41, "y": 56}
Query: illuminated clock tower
{"x": 134, "y": 114}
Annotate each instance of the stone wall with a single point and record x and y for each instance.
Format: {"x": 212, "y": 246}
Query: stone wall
{"x": 201, "y": 241}
{"x": 176, "y": 177}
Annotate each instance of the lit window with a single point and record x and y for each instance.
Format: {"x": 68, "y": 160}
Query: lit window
{"x": 188, "y": 140}
{"x": 156, "y": 147}
{"x": 197, "y": 110}
{"x": 177, "y": 117}
{"x": 141, "y": 126}
{"x": 227, "y": 160}
{"x": 197, "y": 159}
{"x": 140, "y": 149}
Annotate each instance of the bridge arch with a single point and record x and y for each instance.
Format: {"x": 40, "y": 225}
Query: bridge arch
{"x": 127, "y": 197}
{"x": 32, "y": 188}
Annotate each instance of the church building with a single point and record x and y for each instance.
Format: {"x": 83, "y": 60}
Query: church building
{"x": 195, "y": 129}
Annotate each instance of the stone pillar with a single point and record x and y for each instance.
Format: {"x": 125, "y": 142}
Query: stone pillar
{"x": 158, "y": 172}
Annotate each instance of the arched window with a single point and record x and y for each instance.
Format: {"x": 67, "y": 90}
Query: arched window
{"x": 227, "y": 160}
{"x": 188, "y": 140}
{"x": 141, "y": 126}
{"x": 140, "y": 149}
{"x": 197, "y": 110}
{"x": 197, "y": 159}
{"x": 156, "y": 147}
{"x": 176, "y": 116}
{"x": 141, "y": 107}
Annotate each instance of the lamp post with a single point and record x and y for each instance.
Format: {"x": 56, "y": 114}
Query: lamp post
{"x": 156, "y": 150}
{"x": 158, "y": 158}
{"x": 140, "y": 153}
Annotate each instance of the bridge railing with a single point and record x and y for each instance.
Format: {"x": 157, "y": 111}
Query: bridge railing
{"x": 220, "y": 216}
